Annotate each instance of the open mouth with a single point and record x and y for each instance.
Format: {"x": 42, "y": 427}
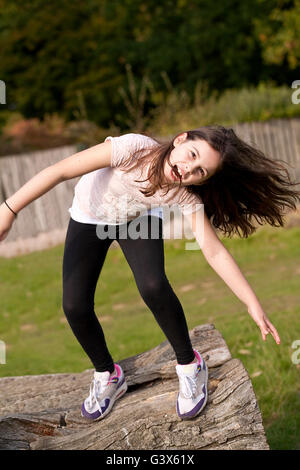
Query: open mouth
{"x": 176, "y": 172}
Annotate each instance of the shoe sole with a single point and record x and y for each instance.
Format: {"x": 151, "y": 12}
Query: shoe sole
{"x": 205, "y": 401}
{"x": 122, "y": 390}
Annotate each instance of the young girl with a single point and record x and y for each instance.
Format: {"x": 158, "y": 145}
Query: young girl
{"x": 126, "y": 179}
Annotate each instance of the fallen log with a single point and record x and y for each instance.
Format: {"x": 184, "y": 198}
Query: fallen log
{"x": 43, "y": 411}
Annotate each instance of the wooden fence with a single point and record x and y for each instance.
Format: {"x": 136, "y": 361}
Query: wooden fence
{"x": 50, "y": 211}
{"x": 278, "y": 138}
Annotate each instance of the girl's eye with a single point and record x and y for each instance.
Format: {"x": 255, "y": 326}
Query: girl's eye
{"x": 200, "y": 169}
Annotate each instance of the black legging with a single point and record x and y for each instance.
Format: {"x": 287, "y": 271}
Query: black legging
{"x": 84, "y": 255}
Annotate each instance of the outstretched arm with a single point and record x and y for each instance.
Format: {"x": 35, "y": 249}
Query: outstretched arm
{"x": 78, "y": 164}
{"x": 225, "y": 266}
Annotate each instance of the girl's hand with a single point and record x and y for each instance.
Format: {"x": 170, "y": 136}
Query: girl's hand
{"x": 6, "y": 220}
{"x": 263, "y": 323}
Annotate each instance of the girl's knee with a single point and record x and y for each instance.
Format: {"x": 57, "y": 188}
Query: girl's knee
{"x": 75, "y": 309}
{"x": 154, "y": 288}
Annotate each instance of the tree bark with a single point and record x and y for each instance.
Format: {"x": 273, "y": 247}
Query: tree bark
{"x": 43, "y": 411}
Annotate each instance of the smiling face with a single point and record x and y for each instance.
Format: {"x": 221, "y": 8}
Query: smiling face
{"x": 193, "y": 162}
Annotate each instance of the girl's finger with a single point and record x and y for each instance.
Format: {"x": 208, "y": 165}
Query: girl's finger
{"x": 273, "y": 331}
{"x": 264, "y": 332}
{"x": 275, "y": 335}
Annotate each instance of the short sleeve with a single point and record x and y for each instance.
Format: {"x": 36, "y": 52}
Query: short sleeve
{"x": 189, "y": 203}
{"x": 124, "y": 147}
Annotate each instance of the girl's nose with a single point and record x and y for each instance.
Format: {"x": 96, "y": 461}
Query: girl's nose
{"x": 186, "y": 168}
{"x": 190, "y": 167}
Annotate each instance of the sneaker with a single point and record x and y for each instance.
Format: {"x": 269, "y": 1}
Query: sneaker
{"x": 192, "y": 396}
{"x": 105, "y": 389}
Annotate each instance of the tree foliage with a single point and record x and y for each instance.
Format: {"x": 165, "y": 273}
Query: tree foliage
{"x": 56, "y": 53}
{"x": 280, "y": 33}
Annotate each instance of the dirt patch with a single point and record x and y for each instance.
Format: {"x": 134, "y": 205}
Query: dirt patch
{"x": 28, "y": 327}
{"x": 118, "y": 306}
{"x": 187, "y": 288}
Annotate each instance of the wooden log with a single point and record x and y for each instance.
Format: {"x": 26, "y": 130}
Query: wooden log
{"x": 43, "y": 412}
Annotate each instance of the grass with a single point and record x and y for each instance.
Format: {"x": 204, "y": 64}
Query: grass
{"x": 38, "y": 339}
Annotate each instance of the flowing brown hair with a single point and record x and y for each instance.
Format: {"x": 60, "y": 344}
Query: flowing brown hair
{"x": 247, "y": 184}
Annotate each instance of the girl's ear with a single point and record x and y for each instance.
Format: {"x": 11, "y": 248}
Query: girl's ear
{"x": 179, "y": 139}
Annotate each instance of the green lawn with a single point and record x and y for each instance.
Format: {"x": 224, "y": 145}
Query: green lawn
{"x": 38, "y": 339}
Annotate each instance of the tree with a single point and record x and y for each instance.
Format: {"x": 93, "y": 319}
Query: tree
{"x": 279, "y": 33}
{"x": 54, "y": 52}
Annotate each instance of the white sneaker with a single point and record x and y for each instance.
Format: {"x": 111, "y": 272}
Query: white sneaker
{"x": 105, "y": 389}
{"x": 192, "y": 396}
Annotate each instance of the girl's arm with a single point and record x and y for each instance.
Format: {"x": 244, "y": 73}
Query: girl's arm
{"x": 225, "y": 266}
{"x": 78, "y": 164}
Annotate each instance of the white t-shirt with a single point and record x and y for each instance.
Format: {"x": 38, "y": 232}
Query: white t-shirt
{"x": 112, "y": 196}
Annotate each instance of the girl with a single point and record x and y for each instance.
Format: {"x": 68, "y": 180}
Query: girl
{"x": 124, "y": 180}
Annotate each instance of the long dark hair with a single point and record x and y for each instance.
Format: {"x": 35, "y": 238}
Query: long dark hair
{"x": 246, "y": 186}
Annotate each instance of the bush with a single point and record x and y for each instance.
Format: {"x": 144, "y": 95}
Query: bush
{"x": 24, "y": 135}
{"x": 21, "y": 135}
{"x": 179, "y": 111}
